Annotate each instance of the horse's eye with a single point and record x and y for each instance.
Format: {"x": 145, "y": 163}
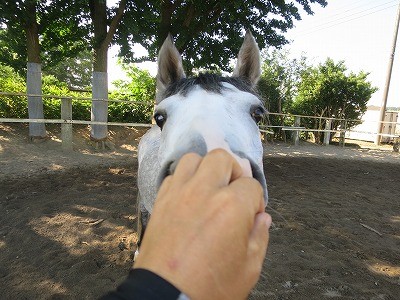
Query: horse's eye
{"x": 160, "y": 119}
{"x": 257, "y": 113}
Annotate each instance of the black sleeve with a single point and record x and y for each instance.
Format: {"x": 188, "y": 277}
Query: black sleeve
{"x": 142, "y": 284}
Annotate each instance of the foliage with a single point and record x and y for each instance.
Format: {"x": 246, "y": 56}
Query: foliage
{"x": 52, "y": 106}
{"x": 61, "y": 28}
{"x": 207, "y": 32}
{"x": 12, "y": 106}
{"x": 76, "y": 72}
{"x": 279, "y": 79}
{"x": 327, "y": 91}
{"x": 278, "y": 85}
{"x": 141, "y": 87}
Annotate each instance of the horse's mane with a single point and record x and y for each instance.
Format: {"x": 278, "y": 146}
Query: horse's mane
{"x": 209, "y": 82}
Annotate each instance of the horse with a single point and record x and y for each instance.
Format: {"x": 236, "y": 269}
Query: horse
{"x": 199, "y": 114}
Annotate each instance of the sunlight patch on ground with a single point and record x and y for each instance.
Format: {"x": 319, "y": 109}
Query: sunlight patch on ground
{"x": 29, "y": 278}
{"x": 129, "y": 147}
{"x": 332, "y": 294}
{"x": 54, "y": 138}
{"x": 58, "y": 288}
{"x": 385, "y": 269}
{"x": 395, "y": 219}
{"x": 3, "y": 139}
{"x": 54, "y": 228}
{"x": 117, "y": 171}
{"x": 79, "y": 235}
{"x": 87, "y": 209}
{"x": 55, "y": 167}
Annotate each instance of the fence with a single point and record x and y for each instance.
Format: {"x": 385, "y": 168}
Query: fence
{"x": 295, "y": 128}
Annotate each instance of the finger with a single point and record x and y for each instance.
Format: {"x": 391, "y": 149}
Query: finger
{"x": 163, "y": 190}
{"x": 187, "y": 167}
{"x": 250, "y": 195}
{"x": 258, "y": 242}
{"x": 218, "y": 168}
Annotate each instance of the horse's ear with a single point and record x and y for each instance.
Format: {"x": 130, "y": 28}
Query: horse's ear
{"x": 249, "y": 61}
{"x": 170, "y": 68}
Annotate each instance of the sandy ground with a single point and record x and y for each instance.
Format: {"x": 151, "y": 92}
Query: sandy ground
{"x": 67, "y": 219}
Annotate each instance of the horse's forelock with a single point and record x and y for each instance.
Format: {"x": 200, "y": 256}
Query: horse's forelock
{"x": 209, "y": 82}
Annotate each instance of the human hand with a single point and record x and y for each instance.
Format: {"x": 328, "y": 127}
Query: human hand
{"x": 208, "y": 232}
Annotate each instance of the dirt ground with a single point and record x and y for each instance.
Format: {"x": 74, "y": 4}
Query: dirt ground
{"x": 67, "y": 219}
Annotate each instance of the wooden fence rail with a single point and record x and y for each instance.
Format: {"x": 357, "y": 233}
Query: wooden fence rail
{"x": 67, "y": 122}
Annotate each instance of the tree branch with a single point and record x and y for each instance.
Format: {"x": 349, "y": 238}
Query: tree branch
{"x": 201, "y": 26}
{"x": 189, "y": 16}
{"x": 114, "y": 24}
{"x": 167, "y": 8}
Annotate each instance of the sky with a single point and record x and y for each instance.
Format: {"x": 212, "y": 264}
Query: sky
{"x": 360, "y": 32}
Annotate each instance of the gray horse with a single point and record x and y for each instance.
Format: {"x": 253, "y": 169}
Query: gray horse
{"x": 200, "y": 114}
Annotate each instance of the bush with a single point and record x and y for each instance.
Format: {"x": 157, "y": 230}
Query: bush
{"x": 140, "y": 88}
{"x": 12, "y": 106}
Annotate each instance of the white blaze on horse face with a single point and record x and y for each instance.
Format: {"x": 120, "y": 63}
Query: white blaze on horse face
{"x": 218, "y": 120}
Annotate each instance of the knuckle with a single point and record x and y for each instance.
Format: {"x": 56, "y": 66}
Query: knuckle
{"x": 221, "y": 153}
{"x": 191, "y": 156}
{"x": 255, "y": 186}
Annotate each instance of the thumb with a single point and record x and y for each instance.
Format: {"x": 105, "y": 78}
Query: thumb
{"x": 258, "y": 242}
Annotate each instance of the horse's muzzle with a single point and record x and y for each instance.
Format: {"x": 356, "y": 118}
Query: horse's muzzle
{"x": 257, "y": 173}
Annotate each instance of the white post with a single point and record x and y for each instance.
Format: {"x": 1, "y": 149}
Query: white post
{"x": 99, "y": 108}
{"x": 35, "y": 103}
{"x": 327, "y": 135}
{"x": 66, "y": 129}
{"x": 343, "y": 128}
{"x": 296, "y": 133}
{"x": 382, "y": 111}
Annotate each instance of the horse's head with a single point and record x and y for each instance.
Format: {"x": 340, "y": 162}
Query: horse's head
{"x": 206, "y": 112}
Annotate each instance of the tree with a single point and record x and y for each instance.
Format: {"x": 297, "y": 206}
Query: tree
{"x": 207, "y": 32}
{"x": 101, "y": 18}
{"x": 76, "y": 72}
{"x": 31, "y": 28}
{"x": 279, "y": 79}
{"x": 12, "y": 106}
{"x": 141, "y": 88}
{"x": 54, "y": 27}
{"x": 278, "y": 84}
{"x": 327, "y": 91}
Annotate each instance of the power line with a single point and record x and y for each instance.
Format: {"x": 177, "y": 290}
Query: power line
{"x": 339, "y": 12}
{"x": 344, "y": 17}
{"x": 322, "y": 27}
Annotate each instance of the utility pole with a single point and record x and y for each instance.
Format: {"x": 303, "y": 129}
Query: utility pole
{"x": 387, "y": 84}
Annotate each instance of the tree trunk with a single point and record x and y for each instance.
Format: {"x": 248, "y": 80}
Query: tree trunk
{"x": 102, "y": 40}
{"x": 99, "y": 111}
{"x": 167, "y": 8}
{"x": 34, "y": 75}
{"x": 282, "y": 132}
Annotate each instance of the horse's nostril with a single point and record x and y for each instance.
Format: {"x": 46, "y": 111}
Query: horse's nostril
{"x": 172, "y": 167}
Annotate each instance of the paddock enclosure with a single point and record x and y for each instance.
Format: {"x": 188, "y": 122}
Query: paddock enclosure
{"x": 67, "y": 219}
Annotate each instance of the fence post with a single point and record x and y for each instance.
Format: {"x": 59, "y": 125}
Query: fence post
{"x": 342, "y": 138}
{"x": 35, "y": 103}
{"x": 296, "y": 133}
{"x": 327, "y": 135}
{"x": 66, "y": 128}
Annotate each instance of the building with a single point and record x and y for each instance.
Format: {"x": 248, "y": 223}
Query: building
{"x": 367, "y": 130}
